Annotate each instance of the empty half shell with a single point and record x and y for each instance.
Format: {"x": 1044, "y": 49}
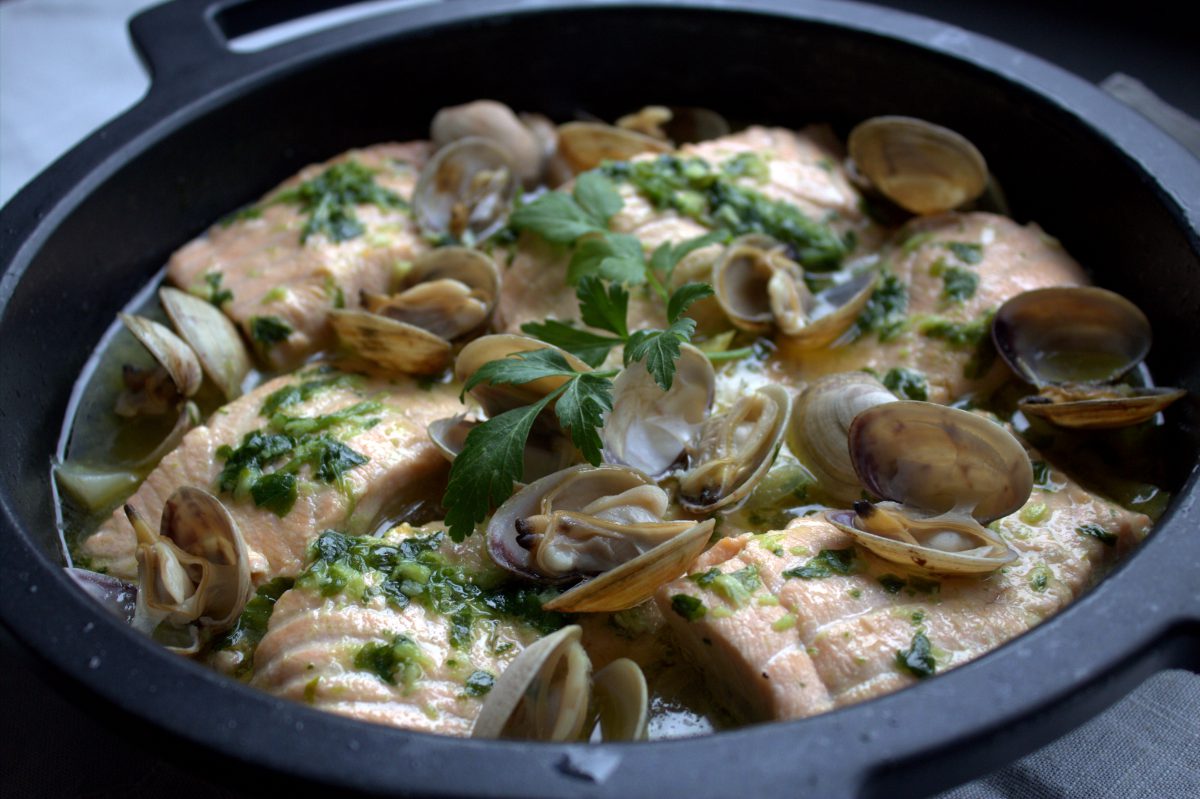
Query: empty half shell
{"x": 393, "y": 347}
{"x": 170, "y": 351}
{"x": 449, "y": 291}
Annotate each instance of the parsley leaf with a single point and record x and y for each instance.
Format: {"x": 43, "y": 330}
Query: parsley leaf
{"x": 591, "y": 348}
{"x": 524, "y": 367}
{"x": 614, "y": 256}
{"x": 603, "y": 308}
{"x": 597, "y": 196}
{"x": 580, "y": 411}
{"x": 918, "y": 659}
{"x": 683, "y": 298}
{"x": 492, "y": 459}
{"x": 667, "y": 256}
{"x": 555, "y": 217}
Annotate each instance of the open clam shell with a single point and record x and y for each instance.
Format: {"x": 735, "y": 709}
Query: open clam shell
{"x": 543, "y": 694}
{"x": 196, "y": 569}
{"x": 213, "y": 338}
{"x": 394, "y": 347}
{"x": 1073, "y": 343}
{"x": 1076, "y": 334}
{"x": 634, "y": 581}
{"x": 734, "y": 451}
{"x": 495, "y": 400}
{"x": 1101, "y": 413}
{"x": 586, "y": 145}
{"x": 169, "y": 350}
{"x": 496, "y": 122}
{"x": 678, "y": 124}
{"x": 947, "y": 544}
{"x": 940, "y": 459}
{"x": 650, "y": 429}
{"x": 922, "y": 167}
{"x": 622, "y": 701}
{"x": 953, "y": 472}
{"x": 449, "y": 291}
{"x": 465, "y": 191}
{"x": 819, "y": 431}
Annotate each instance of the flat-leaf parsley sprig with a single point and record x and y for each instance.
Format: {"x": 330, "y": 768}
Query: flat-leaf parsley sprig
{"x": 493, "y": 455}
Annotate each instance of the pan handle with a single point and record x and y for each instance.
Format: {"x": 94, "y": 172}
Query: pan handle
{"x": 183, "y": 39}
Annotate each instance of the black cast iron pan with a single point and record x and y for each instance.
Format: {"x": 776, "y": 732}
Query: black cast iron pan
{"x": 218, "y": 129}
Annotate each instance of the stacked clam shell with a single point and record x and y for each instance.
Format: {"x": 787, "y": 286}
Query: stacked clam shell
{"x": 447, "y": 294}
{"x": 1074, "y": 345}
{"x": 193, "y": 574}
{"x": 761, "y": 290}
{"x": 205, "y": 343}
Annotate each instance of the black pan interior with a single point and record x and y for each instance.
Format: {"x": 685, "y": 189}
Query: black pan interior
{"x": 122, "y": 220}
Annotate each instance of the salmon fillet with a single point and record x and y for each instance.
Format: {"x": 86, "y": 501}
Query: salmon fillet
{"x": 401, "y": 462}
{"x": 794, "y": 647}
{"x": 804, "y": 169}
{"x": 1004, "y": 258}
{"x": 310, "y": 649}
{"x": 272, "y": 274}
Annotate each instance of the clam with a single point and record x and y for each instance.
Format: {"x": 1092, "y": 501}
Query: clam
{"x": 947, "y": 473}
{"x": 681, "y": 125}
{"x": 548, "y": 692}
{"x": 820, "y": 427}
{"x": 495, "y": 400}
{"x": 395, "y": 347}
{"x": 178, "y": 373}
{"x": 621, "y": 698}
{"x": 543, "y": 694}
{"x": 449, "y": 292}
{"x": 650, "y": 429}
{"x": 734, "y": 450}
{"x": 1073, "y": 344}
{"x": 922, "y": 167}
{"x": 195, "y": 572}
{"x": 761, "y": 289}
{"x": 465, "y": 191}
{"x": 605, "y": 523}
{"x": 446, "y": 294}
{"x": 496, "y": 122}
{"x": 214, "y": 339}
{"x": 117, "y": 596}
{"x": 586, "y": 145}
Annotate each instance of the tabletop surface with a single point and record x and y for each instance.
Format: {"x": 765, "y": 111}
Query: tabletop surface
{"x": 66, "y": 66}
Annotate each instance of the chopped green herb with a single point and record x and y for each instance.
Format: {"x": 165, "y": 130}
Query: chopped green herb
{"x": 959, "y": 284}
{"x": 1034, "y": 512}
{"x": 736, "y": 587}
{"x": 269, "y": 330}
{"x": 217, "y": 295}
{"x": 785, "y": 622}
{"x": 241, "y": 215}
{"x": 917, "y": 660}
{"x": 891, "y": 583}
{"x": 916, "y": 617}
{"x": 886, "y": 312}
{"x": 1039, "y": 578}
{"x": 692, "y": 187}
{"x": 749, "y": 165}
{"x": 399, "y": 660}
{"x": 1041, "y": 473}
{"x": 958, "y": 334}
{"x": 688, "y": 607}
{"x": 827, "y": 563}
{"x": 966, "y": 252}
{"x": 1099, "y": 533}
{"x": 251, "y": 625}
{"x": 276, "y": 492}
{"x": 906, "y": 383}
{"x": 922, "y": 585}
{"x": 329, "y": 200}
{"x": 479, "y": 682}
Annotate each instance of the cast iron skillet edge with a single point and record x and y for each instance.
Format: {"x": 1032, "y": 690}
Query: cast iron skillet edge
{"x": 909, "y": 741}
